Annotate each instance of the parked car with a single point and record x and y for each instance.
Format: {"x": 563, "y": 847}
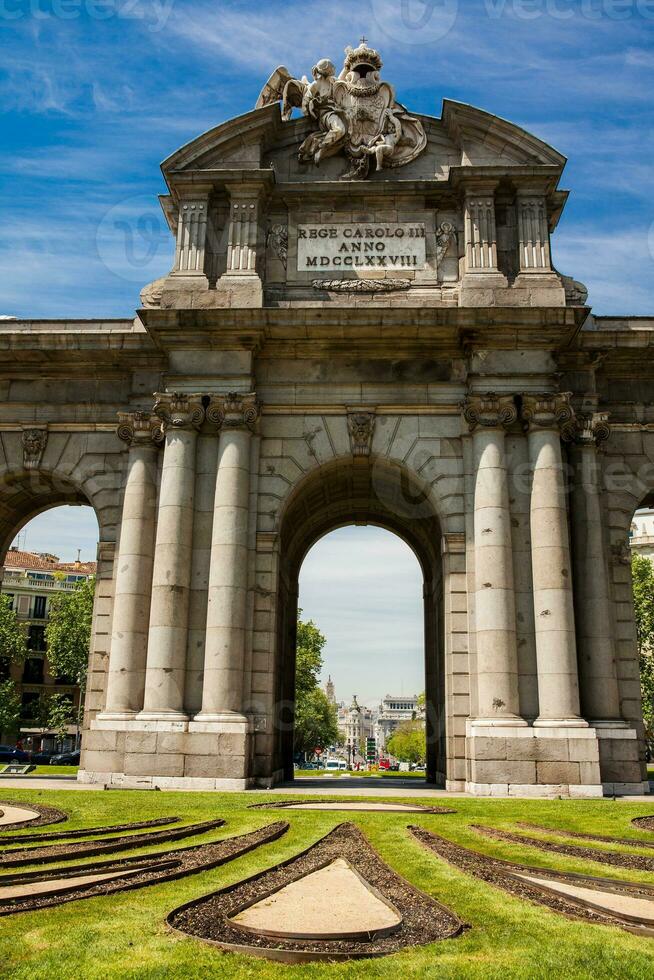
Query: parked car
{"x": 65, "y": 759}
{"x": 9, "y": 753}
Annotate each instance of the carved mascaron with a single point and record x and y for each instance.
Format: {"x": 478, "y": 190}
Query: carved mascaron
{"x": 355, "y": 114}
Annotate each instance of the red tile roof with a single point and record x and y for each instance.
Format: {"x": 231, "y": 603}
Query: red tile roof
{"x": 31, "y": 560}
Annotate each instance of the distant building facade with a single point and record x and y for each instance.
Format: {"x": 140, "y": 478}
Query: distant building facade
{"x": 355, "y": 722}
{"x": 641, "y": 537}
{"x": 30, "y": 579}
{"x": 394, "y": 710}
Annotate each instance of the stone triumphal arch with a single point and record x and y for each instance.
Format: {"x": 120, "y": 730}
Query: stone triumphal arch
{"x": 362, "y": 324}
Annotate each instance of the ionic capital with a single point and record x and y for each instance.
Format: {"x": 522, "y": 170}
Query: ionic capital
{"x": 548, "y": 411}
{"x": 589, "y": 430}
{"x": 139, "y": 428}
{"x": 234, "y": 411}
{"x": 178, "y": 410}
{"x": 490, "y": 411}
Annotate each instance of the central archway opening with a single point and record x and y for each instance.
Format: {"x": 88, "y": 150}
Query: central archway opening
{"x": 363, "y": 493}
{"x": 361, "y": 593}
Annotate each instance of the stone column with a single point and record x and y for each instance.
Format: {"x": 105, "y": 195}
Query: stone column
{"x": 556, "y": 648}
{"x": 222, "y": 693}
{"x": 600, "y": 696}
{"x": 181, "y": 415}
{"x": 131, "y": 611}
{"x": 495, "y": 628}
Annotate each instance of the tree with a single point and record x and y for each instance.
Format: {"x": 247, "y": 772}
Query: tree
{"x": 308, "y": 662}
{"x": 315, "y": 722}
{"x": 408, "y": 743}
{"x": 59, "y": 710}
{"x": 315, "y": 716}
{"x": 13, "y": 640}
{"x": 68, "y": 634}
{"x": 642, "y": 572}
{"x": 9, "y": 708}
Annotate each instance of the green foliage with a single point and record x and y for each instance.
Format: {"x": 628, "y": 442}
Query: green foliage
{"x": 315, "y": 722}
{"x": 642, "y": 572}
{"x": 59, "y": 714}
{"x": 308, "y": 663}
{"x": 13, "y": 640}
{"x": 407, "y": 743}
{"x": 9, "y": 708}
{"x": 68, "y": 633}
{"x": 315, "y": 717}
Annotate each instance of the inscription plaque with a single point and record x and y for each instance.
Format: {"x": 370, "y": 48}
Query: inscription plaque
{"x": 361, "y": 247}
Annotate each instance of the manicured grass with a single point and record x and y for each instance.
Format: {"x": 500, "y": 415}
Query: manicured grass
{"x": 51, "y": 771}
{"x": 55, "y": 771}
{"x": 126, "y": 936}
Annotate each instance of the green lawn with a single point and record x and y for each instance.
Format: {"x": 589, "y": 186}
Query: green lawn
{"x": 52, "y": 771}
{"x": 125, "y": 935}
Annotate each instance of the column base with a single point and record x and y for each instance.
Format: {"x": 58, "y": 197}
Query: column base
{"x": 503, "y": 721}
{"x": 109, "y": 716}
{"x": 220, "y": 721}
{"x": 162, "y": 716}
{"x": 561, "y": 723}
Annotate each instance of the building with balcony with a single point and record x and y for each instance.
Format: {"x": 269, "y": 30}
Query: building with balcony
{"x": 30, "y": 580}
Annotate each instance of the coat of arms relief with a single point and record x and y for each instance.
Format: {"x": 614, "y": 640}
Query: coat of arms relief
{"x": 354, "y": 113}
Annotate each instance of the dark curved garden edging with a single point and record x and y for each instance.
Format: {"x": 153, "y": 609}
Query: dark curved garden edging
{"x": 59, "y": 852}
{"x": 634, "y": 862}
{"x": 424, "y": 920}
{"x": 644, "y": 823}
{"x": 84, "y": 832}
{"x": 503, "y": 874}
{"x": 47, "y": 815}
{"x": 157, "y": 869}
{"x": 582, "y": 835}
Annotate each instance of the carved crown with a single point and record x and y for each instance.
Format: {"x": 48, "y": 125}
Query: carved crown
{"x": 363, "y": 55}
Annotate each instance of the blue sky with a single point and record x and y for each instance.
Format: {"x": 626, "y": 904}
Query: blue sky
{"x": 95, "y": 93}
